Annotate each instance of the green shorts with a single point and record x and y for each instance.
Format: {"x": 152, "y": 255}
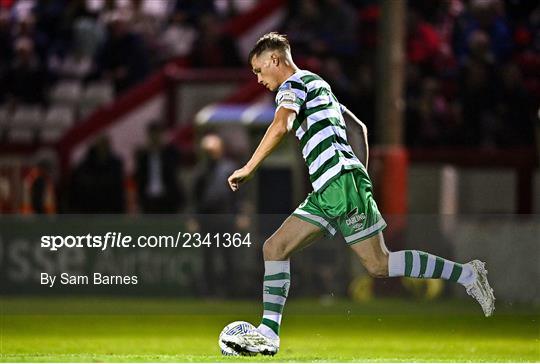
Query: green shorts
{"x": 346, "y": 204}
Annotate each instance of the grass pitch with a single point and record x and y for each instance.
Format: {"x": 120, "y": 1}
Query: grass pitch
{"x": 168, "y": 330}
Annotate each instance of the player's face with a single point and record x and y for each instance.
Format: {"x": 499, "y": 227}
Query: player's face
{"x": 265, "y": 67}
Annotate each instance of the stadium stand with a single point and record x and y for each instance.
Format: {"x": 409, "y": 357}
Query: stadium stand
{"x": 450, "y": 45}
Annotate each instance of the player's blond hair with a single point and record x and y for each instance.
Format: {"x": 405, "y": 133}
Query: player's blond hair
{"x": 270, "y": 41}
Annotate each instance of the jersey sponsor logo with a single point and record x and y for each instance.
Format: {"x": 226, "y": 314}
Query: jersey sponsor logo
{"x": 354, "y": 220}
{"x": 352, "y": 212}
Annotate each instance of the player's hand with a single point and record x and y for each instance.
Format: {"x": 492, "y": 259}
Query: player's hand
{"x": 238, "y": 177}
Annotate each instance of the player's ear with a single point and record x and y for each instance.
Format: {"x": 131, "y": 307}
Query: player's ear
{"x": 275, "y": 59}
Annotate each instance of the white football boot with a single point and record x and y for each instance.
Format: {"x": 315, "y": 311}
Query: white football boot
{"x": 252, "y": 342}
{"x": 480, "y": 288}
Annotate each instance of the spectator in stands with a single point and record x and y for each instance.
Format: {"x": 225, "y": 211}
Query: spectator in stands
{"x": 339, "y": 26}
{"x": 479, "y": 49}
{"x": 444, "y": 15}
{"x": 478, "y": 95}
{"x": 213, "y": 48}
{"x": 50, "y": 24}
{"x": 368, "y": 15}
{"x": 87, "y": 34}
{"x": 194, "y": 9}
{"x": 147, "y": 19}
{"x": 21, "y": 8}
{"x": 363, "y": 94}
{"x": 123, "y": 58}
{"x": 97, "y": 184}
{"x": 6, "y": 40}
{"x": 486, "y": 16}
{"x": 302, "y": 27}
{"x": 516, "y": 109}
{"x": 527, "y": 39}
{"x": 423, "y": 42}
{"x": 429, "y": 119}
{"x": 212, "y": 196}
{"x": 25, "y": 27}
{"x": 38, "y": 187}
{"x": 178, "y": 37}
{"x": 26, "y": 77}
{"x": 156, "y": 175}
{"x": 6, "y": 51}
{"x": 231, "y": 8}
{"x": 332, "y": 71}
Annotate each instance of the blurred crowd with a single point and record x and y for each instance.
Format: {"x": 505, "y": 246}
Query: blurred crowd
{"x": 472, "y": 77}
{"x": 471, "y": 74}
{"x": 117, "y": 40}
{"x": 97, "y": 184}
{"x": 472, "y": 67}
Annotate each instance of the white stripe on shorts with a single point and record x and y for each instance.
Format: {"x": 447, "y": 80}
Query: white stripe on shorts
{"x": 315, "y": 218}
{"x": 370, "y": 230}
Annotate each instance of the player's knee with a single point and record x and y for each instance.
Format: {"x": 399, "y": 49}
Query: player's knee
{"x": 377, "y": 268}
{"x": 274, "y": 250}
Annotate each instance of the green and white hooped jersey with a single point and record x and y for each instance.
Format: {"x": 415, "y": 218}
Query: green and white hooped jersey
{"x": 319, "y": 126}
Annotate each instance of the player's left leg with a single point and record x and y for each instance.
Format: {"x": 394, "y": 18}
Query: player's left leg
{"x": 380, "y": 263}
{"x": 362, "y": 227}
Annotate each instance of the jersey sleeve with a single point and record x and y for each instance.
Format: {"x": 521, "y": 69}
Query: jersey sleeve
{"x": 291, "y": 95}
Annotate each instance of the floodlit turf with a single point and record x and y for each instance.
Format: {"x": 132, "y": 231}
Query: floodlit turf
{"x": 168, "y": 330}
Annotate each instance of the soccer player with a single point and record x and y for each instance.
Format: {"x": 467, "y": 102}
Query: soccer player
{"x": 342, "y": 197}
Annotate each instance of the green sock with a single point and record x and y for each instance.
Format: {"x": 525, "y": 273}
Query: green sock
{"x": 418, "y": 264}
{"x": 277, "y": 279}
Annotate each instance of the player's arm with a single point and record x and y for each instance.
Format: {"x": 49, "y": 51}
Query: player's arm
{"x": 362, "y": 145}
{"x": 271, "y": 139}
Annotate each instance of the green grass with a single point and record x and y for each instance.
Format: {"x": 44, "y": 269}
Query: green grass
{"x": 168, "y": 330}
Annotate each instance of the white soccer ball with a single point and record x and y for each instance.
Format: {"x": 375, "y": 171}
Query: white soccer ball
{"x": 234, "y": 328}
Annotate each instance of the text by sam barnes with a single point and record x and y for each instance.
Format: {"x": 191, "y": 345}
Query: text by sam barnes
{"x": 97, "y": 279}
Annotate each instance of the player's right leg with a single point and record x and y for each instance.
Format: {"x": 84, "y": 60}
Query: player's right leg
{"x": 293, "y": 235}
{"x": 379, "y": 262}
